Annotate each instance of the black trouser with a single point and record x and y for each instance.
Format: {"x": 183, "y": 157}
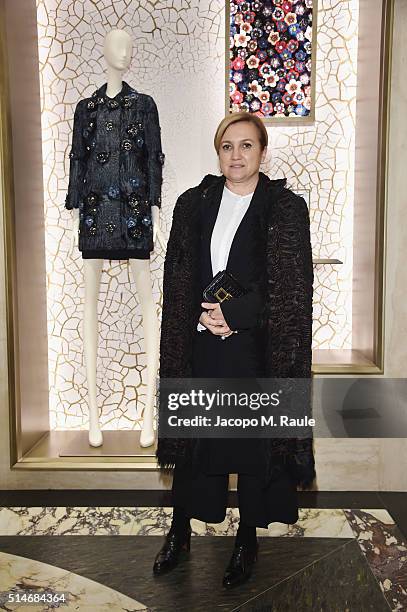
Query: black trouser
{"x": 204, "y": 497}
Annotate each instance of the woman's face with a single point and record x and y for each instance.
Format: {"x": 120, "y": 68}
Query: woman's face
{"x": 240, "y": 152}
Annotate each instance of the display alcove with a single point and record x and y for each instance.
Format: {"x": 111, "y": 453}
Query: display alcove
{"x": 346, "y": 196}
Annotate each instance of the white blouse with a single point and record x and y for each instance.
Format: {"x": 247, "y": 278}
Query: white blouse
{"x": 231, "y": 212}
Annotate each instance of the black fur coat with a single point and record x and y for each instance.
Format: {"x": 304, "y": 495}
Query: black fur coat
{"x": 286, "y": 318}
{"x": 115, "y": 170}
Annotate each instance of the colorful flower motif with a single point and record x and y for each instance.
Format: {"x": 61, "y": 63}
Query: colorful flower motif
{"x": 238, "y": 63}
{"x": 280, "y": 46}
{"x": 267, "y": 108}
{"x": 275, "y": 62}
{"x": 298, "y": 97}
{"x": 237, "y": 97}
{"x": 270, "y": 57}
{"x": 300, "y": 110}
{"x": 278, "y": 14}
{"x": 255, "y": 105}
{"x": 241, "y": 40}
{"x": 263, "y": 42}
{"x": 300, "y": 55}
{"x": 290, "y": 18}
{"x": 281, "y": 26}
{"x": 254, "y": 88}
{"x": 265, "y": 69}
{"x": 114, "y": 192}
{"x": 253, "y": 62}
{"x": 286, "y": 54}
{"x": 293, "y": 45}
{"x": 273, "y": 38}
{"x": 293, "y": 74}
{"x": 257, "y": 32}
{"x": 294, "y": 29}
{"x": 237, "y": 77}
{"x": 272, "y": 79}
{"x": 293, "y": 86}
{"x": 264, "y": 96}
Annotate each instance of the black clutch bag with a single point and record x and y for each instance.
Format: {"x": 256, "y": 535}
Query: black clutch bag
{"x": 223, "y": 287}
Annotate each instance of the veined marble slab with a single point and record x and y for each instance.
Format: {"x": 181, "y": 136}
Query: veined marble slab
{"x": 18, "y": 574}
{"x": 27, "y": 521}
{"x": 385, "y": 549}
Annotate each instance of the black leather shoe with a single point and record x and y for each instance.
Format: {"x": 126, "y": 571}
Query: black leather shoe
{"x": 240, "y": 565}
{"x": 172, "y": 551}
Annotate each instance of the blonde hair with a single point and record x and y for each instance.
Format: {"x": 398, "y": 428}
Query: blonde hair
{"x": 237, "y": 118}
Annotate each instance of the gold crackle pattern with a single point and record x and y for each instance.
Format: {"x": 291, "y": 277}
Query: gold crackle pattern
{"x": 179, "y": 58}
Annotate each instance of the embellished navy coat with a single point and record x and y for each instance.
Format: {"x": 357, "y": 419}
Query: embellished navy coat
{"x": 115, "y": 170}
{"x": 286, "y": 318}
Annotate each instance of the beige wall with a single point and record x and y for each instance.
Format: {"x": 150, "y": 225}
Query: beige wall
{"x": 341, "y": 464}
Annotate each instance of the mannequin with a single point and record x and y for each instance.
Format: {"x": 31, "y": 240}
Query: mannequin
{"x": 117, "y": 55}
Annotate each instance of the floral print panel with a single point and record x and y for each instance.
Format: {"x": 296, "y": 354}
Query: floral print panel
{"x": 270, "y": 58}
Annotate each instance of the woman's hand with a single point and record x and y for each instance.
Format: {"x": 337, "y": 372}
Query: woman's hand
{"x": 214, "y": 320}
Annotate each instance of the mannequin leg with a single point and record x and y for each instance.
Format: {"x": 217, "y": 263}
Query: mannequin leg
{"x": 141, "y": 273}
{"x": 92, "y": 273}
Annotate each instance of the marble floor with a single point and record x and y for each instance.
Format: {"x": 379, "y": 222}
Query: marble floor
{"x": 100, "y": 558}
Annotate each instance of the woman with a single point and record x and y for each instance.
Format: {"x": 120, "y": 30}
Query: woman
{"x": 258, "y": 230}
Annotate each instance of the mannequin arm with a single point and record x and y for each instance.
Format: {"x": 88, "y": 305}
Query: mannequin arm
{"x": 74, "y": 231}
{"x": 157, "y": 231}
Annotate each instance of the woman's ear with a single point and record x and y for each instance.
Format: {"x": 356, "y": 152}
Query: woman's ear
{"x": 263, "y": 155}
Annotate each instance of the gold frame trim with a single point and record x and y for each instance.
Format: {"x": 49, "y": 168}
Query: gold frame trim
{"x": 7, "y": 192}
{"x": 386, "y": 43}
{"x": 286, "y": 121}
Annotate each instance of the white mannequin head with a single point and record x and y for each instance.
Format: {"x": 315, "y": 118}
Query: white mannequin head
{"x": 118, "y": 48}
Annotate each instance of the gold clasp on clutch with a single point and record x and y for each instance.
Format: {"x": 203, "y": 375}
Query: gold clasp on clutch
{"x": 221, "y": 295}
